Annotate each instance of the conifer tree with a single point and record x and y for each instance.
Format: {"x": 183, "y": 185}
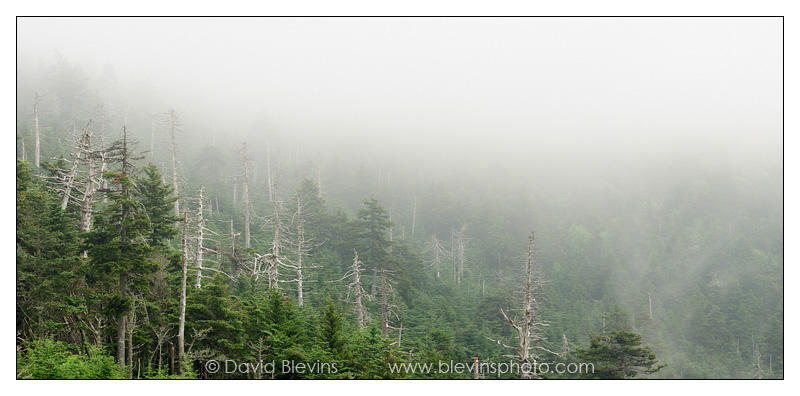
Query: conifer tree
{"x": 157, "y": 199}
{"x": 117, "y": 246}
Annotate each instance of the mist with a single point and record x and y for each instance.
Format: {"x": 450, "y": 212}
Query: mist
{"x": 476, "y": 88}
{"x": 652, "y": 145}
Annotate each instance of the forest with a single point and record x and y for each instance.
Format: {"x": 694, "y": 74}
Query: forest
{"x": 153, "y": 243}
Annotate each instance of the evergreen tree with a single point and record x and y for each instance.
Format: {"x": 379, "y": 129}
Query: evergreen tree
{"x": 158, "y": 202}
{"x": 374, "y": 224}
{"x": 330, "y": 332}
{"x": 117, "y": 246}
{"x": 48, "y": 263}
{"x": 619, "y": 355}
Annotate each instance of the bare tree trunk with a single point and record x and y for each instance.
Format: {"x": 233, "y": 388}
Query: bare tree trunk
{"x": 70, "y": 181}
{"x": 246, "y": 202}
{"x": 436, "y": 260}
{"x": 103, "y": 162}
{"x": 200, "y": 225}
{"x": 173, "y": 123}
{"x": 438, "y": 250}
{"x": 358, "y": 290}
{"x": 384, "y": 306}
{"x": 88, "y": 194}
{"x": 121, "y": 319}
{"x": 37, "y": 138}
{"x": 391, "y": 232}
{"x": 529, "y": 332}
{"x": 400, "y": 335}
{"x": 453, "y": 255}
{"x": 525, "y": 331}
{"x": 300, "y": 241}
{"x": 184, "y": 269}
{"x": 129, "y": 330}
{"x": 460, "y": 253}
{"x": 374, "y": 287}
{"x": 234, "y": 259}
{"x": 273, "y": 254}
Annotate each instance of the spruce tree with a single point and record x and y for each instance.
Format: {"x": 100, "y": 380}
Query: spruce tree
{"x": 158, "y": 202}
{"x": 619, "y": 355}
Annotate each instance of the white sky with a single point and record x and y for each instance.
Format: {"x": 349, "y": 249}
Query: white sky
{"x": 482, "y": 81}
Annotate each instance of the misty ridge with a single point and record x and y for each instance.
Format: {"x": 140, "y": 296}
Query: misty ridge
{"x": 275, "y": 159}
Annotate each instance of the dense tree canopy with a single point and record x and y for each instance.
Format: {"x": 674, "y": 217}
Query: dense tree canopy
{"x": 676, "y": 262}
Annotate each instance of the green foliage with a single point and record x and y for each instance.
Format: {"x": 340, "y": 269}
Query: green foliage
{"x": 695, "y": 253}
{"x": 330, "y": 333}
{"x": 619, "y": 355}
{"x": 115, "y": 246}
{"x": 157, "y": 200}
{"x": 372, "y": 355}
{"x": 373, "y": 224}
{"x": 48, "y": 265}
{"x": 213, "y": 307}
{"x": 48, "y": 359}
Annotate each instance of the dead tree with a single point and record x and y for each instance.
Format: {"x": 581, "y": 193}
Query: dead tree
{"x": 103, "y": 159}
{"x": 200, "y": 248}
{"x": 300, "y": 246}
{"x": 438, "y": 251}
{"x": 184, "y": 270}
{"x": 458, "y": 249}
{"x": 530, "y": 327}
{"x": 358, "y": 292}
{"x": 387, "y": 310}
{"x": 171, "y": 121}
{"x": 89, "y": 189}
{"x": 246, "y": 197}
{"x": 173, "y": 126}
{"x": 273, "y": 258}
{"x": 79, "y": 184}
{"x": 234, "y": 258}
{"x": 399, "y": 334}
{"x": 77, "y": 158}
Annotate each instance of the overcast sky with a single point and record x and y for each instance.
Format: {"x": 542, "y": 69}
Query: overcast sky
{"x": 496, "y": 84}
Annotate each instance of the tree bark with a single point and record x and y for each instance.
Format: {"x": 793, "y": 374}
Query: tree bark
{"x": 199, "y": 253}
{"x": 356, "y": 286}
{"x": 182, "y": 317}
{"x": 121, "y": 319}
{"x": 384, "y": 306}
{"x": 246, "y": 198}
{"x": 88, "y": 194}
{"x": 173, "y": 124}
{"x": 300, "y": 241}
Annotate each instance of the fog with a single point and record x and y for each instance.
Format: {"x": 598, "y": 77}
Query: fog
{"x": 646, "y": 152}
{"x": 569, "y": 89}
